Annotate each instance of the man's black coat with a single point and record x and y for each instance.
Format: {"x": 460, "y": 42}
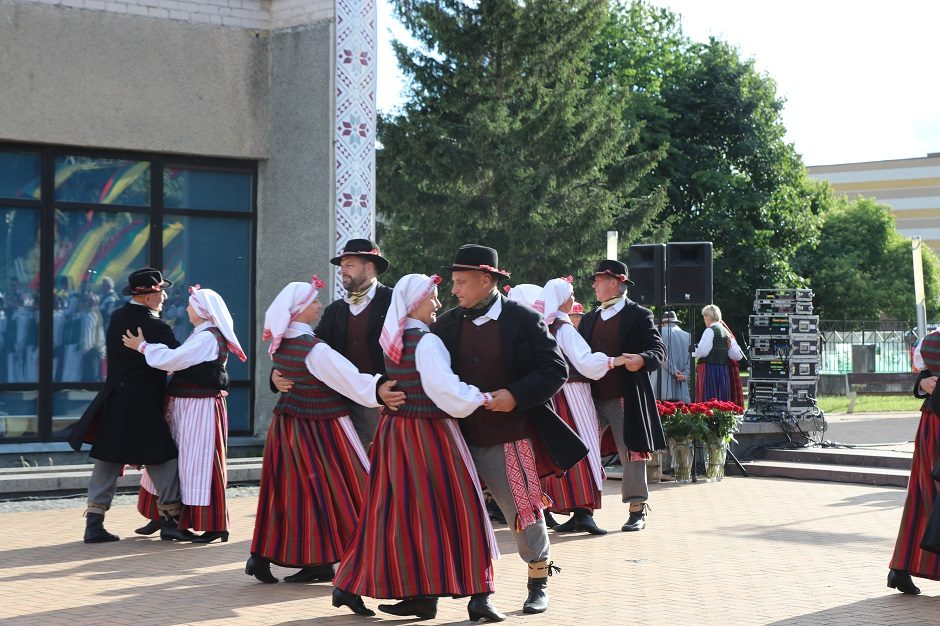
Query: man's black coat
{"x": 642, "y": 428}
{"x": 335, "y": 318}
{"x": 125, "y": 422}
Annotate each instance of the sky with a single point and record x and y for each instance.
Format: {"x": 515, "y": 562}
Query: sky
{"x": 859, "y": 78}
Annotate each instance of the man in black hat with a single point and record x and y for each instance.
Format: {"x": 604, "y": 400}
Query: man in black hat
{"x": 624, "y": 396}
{"x": 125, "y": 424}
{"x": 505, "y": 348}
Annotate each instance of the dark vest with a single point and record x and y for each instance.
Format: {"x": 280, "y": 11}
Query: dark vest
{"x": 418, "y": 404}
{"x": 719, "y": 353}
{"x": 574, "y": 376}
{"x": 605, "y": 337}
{"x": 202, "y": 380}
{"x": 481, "y": 363}
{"x": 357, "y": 340}
{"x": 309, "y": 398}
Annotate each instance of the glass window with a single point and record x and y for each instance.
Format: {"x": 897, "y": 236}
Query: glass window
{"x": 19, "y": 175}
{"x": 94, "y": 253}
{"x": 216, "y": 254}
{"x": 102, "y": 181}
{"x": 19, "y": 295}
{"x": 238, "y": 409}
{"x": 18, "y": 415}
{"x": 67, "y": 408}
{"x": 206, "y": 189}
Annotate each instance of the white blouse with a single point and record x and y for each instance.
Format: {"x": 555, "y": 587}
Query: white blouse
{"x": 199, "y": 347}
{"x": 590, "y": 364}
{"x": 446, "y": 390}
{"x": 705, "y": 346}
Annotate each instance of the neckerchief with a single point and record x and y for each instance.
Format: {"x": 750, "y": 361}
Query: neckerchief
{"x": 480, "y": 307}
{"x": 358, "y": 297}
{"x": 609, "y": 302}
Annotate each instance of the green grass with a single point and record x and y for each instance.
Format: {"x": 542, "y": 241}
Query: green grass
{"x": 869, "y": 404}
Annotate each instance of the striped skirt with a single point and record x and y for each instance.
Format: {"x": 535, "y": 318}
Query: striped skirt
{"x": 580, "y": 487}
{"x": 713, "y": 382}
{"x": 313, "y": 480}
{"x": 921, "y": 493}
{"x": 424, "y": 529}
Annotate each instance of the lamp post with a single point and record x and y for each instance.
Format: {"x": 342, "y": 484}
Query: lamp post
{"x": 612, "y": 244}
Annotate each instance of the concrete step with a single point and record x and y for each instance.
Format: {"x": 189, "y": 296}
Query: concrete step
{"x": 841, "y": 456}
{"x": 880, "y": 476}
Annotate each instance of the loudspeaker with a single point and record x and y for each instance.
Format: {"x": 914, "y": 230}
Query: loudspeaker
{"x": 689, "y": 272}
{"x": 647, "y": 262}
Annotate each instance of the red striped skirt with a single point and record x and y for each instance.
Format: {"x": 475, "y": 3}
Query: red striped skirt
{"x": 576, "y": 489}
{"x": 921, "y": 493}
{"x": 312, "y": 487}
{"x": 147, "y": 504}
{"x": 423, "y": 530}
{"x": 214, "y": 515}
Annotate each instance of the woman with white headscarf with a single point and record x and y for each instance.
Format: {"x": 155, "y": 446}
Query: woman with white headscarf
{"x": 579, "y": 490}
{"x": 196, "y": 412}
{"x": 423, "y": 532}
{"x": 314, "y": 468}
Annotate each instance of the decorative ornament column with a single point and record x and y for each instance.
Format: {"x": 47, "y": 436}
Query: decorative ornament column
{"x": 354, "y": 130}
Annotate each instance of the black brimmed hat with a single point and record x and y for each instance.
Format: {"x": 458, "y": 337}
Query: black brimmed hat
{"x": 474, "y": 257}
{"x": 144, "y": 281}
{"x": 366, "y": 249}
{"x": 611, "y": 267}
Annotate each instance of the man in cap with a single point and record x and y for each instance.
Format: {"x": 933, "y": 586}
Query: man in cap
{"x": 624, "y": 396}
{"x": 675, "y": 372}
{"x": 505, "y": 348}
{"x": 125, "y": 424}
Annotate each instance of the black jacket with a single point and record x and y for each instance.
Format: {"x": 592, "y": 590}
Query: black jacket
{"x": 333, "y": 322}
{"x": 125, "y": 422}
{"x": 538, "y": 368}
{"x": 642, "y": 428}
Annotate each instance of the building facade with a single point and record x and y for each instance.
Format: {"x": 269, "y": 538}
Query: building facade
{"x": 228, "y": 142}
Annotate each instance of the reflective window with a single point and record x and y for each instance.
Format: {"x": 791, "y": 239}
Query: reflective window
{"x": 19, "y": 175}
{"x": 68, "y": 406}
{"x": 18, "y": 414}
{"x": 102, "y": 181}
{"x": 206, "y": 189}
{"x": 238, "y": 408}
{"x": 19, "y": 295}
{"x": 94, "y": 253}
{"x": 214, "y": 253}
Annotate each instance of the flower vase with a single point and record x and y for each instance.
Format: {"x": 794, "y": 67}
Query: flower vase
{"x": 716, "y": 453}
{"x": 654, "y": 468}
{"x": 683, "y": 453}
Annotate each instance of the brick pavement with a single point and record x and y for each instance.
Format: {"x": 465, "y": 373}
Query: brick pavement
{"x": 743, "y": 551}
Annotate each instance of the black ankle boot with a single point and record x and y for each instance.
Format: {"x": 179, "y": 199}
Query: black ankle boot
{"x": 354, "y": 602}
{"x": 211, "y": 535}
{"x": 550, "y": 521}
{"x": 170, "y": 531}
{"x": 537, "y": 602}
{"x": 260, "y": 568}
{"x": 94, "y": 529}
{"x": 901, "y": 580}
{"x": 480, "y": 607}
{"x": 151, "y": 527}
{"x": 422, "y": 607}
{"x": 312, "y": 574}
{"x": 581, "y": 521}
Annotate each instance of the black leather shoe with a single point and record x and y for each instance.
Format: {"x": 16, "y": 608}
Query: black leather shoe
{"x": 480, "y": 607}
{"x": 211, "y": 535}
{"x": 423, "y": 607}
{"x": 580, "y": 522}
{"x": 260, "y": 568}
{"x": 94, "y": 529}
{"x": 636, "y": 521}
{"x": 170, "y": 532}
{"x": 901, "y": 580}
{"x": 314, "y": 574}
{"x": 354, "y": 602}
{"x": 537, "y": 602}
{"x": 550, "y": 521}
{"x": 495, "y": 513}
{"x": 151, "y": 527}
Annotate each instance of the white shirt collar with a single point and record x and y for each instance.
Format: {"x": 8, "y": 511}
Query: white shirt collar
{"x": 206, "y": 324}
{"x": 296, "y": 329}
{"x": 492, "y": 313}
{"x": 413, "y": 323}
{"x": 612, "y": 310}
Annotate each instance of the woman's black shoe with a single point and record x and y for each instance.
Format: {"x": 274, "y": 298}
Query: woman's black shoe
{"x": 151, "y": 527}
{"x": 313, "y": 574}
{"x": 550, "y": 521}
{"x": 260, "y": 568}
{"x": 211, "y": 535}
{"x": 901, "y": 580}
{"x": 581, "y": 521}
{"x": 354, "y": 602}
{"x": 481, "y": 608}
{"x": 424, "y": 607}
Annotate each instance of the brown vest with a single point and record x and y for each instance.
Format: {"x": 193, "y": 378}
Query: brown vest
{"x": 605, "y": 337}
{"x": 480, "y": 362}
{"x": 357, "y": 340}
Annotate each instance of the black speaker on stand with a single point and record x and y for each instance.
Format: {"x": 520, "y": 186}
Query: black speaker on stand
{"x": 689, "y": 273}
{"x": 647, "y": 262}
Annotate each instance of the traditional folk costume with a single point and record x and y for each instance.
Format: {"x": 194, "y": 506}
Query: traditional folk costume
{"x": 495, "y": 345}
{"x": 909, "y": 559}
{"x": 423, "y": 531}
{"x": 624, "y": 400}
{"x": 580, "y": 490}
{"x": 196, "y": 413}
{"x": 717, "y": 370}
{"x": 314, "y": 468}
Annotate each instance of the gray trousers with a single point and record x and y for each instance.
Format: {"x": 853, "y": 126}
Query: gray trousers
{"x": 104, "y": 477}
{"x": 366, "y": 422}
{"x": 633, "y": 487}
{"x": 490, "y": 462}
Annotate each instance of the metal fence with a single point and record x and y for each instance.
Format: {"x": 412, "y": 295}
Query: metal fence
{"x": 866, "y": 346}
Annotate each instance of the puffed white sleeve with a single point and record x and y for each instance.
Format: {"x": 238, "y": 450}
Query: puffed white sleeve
{"x": 197, "y": 348}
{"x": 341, "y": 375}
{"x": 735, "y": 351}
{"x": 593, "y": 365}
{"x": 446, "y": 390}
{"x": 919, "y": 358}
{"x": 704, "y": 344}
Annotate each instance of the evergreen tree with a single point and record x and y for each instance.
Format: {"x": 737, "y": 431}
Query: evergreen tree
{"x": 509, "y": 140}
